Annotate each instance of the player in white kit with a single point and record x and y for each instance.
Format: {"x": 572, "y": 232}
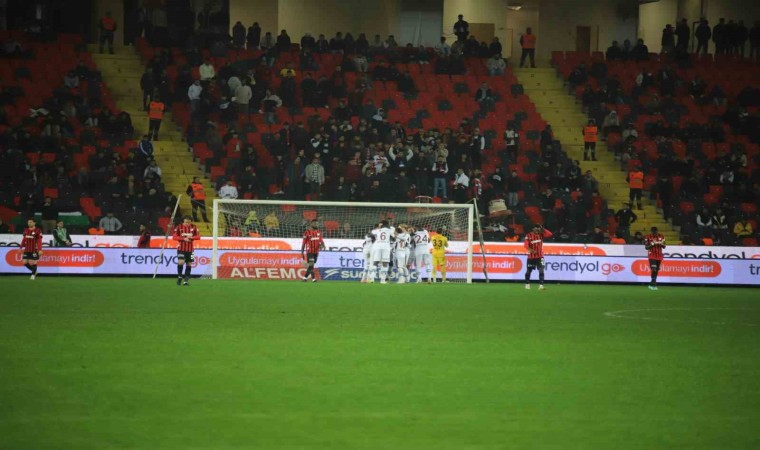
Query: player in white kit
{"x": 369, "y": 239}
{"x": 403, "y": 243}
{"x": 381, "y": 251}
{"x": 422, "y": 258}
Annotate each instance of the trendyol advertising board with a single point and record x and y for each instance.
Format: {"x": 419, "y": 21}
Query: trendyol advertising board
{"x": 491, "y": 248}
{"x": 347, "y": 265}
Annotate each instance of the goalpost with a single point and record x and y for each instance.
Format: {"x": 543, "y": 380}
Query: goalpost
{"x": 257, "y": 239}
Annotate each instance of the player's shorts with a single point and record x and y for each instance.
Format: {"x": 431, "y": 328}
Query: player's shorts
{"x": 654, "y": 264}
{"x": 312, "y": 257}
{"x": 31, "y": 256}
{"x": 422, "y": 260}
{"x": 381, "y": 255}
{"x": 439, "y": 261}
{"x": 185, "y": 256}
{"x": 402, "y": 259}
{"x": 589, "y": 145}
{"x": 536, "y": 263}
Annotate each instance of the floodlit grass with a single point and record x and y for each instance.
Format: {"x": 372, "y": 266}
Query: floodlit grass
{"x": 111, "y": 363}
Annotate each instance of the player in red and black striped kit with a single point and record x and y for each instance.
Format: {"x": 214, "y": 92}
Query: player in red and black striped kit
{"x": 310, "y": 247}
{"x": 534, "y": 243}
{"x": 31, "y": 246}
{"x": 654, "y": 243}
{"x": 186, "y": 234}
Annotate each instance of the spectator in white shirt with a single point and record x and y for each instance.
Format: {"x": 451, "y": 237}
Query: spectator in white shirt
{"x": 380, "y": 160}
{"x": 194, "y": 94}
{"x": 110, "y": 224}
{"x": 207, "y": 71}
{"x": 152, "y": 170}
{"x": 228, "y": 191}
{"x": 461, "y": 183}
{"x": 243, "y": 95}
{"x": 442, "y": 49}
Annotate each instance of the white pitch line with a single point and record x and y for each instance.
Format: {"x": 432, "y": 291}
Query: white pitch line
{"x": 620, "y": 315}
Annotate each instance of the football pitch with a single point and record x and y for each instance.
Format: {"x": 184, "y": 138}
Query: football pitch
{"x": 131, "y": 363}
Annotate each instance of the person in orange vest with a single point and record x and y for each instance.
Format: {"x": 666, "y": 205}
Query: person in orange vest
{"x": 107, "y": 29}
{"x": 197, "y": 199}
{"x": 635, "y": 181}
{"x": 590, "y": 136}
{"x": 155, "y": 115}
{"x": 618, "y": 239}
{"x": 528, "y": 43}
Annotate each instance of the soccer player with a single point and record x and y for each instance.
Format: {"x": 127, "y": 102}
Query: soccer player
{"x": 369, "y": 239}
{"x": 185, "y": 234}
{"x": 534, "y": 243}
{"x": 403, "y": 242}
{"x": 312, "y": 244}
{"x": 654, "y": 243}
{"x": 31, "y": 246}
{"x": 381, "y": 251}
{"x": 422, "y": 253}
{"x": 440, "y": 243}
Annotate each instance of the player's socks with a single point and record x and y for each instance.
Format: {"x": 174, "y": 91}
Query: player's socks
{"x": 179, "y": 270}
{"x": 383, "y": 275}
{"x": 188, "y": 269}
{"x": 443, "y": 275}
{"x": 541, "y": 277}
{"x": 28, "y": 266}
{"x": 34, "y": 270}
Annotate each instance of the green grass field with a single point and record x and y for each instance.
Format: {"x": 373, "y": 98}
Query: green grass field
{"x": 120, "y": 363}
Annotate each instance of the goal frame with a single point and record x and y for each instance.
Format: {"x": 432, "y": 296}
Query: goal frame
{"x": 468, "y": 207}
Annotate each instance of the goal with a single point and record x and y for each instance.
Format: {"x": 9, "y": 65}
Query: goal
{"x": 261, "y": 239}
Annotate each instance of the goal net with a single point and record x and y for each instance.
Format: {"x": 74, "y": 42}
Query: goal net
{"x": 261, "y": 239}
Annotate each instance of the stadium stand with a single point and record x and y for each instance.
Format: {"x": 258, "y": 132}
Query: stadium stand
{"x": 696, "y": 131}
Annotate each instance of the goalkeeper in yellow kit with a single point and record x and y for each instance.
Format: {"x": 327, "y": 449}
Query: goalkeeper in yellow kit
{"x": 440, "y": 242}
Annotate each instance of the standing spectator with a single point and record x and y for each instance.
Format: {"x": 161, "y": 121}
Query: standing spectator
{"x": 194, "y": 95}
{"x": 440, "y": 169}
{"x": 61, "y": 236}
{"x": 495, "y": 47}
{"x": 314, "y": 174}
{"x": 512, "y": 140}
{"x": 754, "y": 41}
{"x": 107, "y": 29}
{"x": 197, "y": 194}
{"x": 461, "y": 186}
{"x": 155, "y": 116}
{"x": 741, "y": 38}
{"x": 110, "y": 224}
{"x": 147, "y": 84}
{"x": 269, "y": 106}
{"x": 49, "y": 215}
{"x": 144, "y": 240}
{"x": 461, "y": 28}
{"x": 635, "y": 181}
{"x": 143, "y": 22}
{"x": 254, "y": 36}
{"x": 703, "y": 35}
{"x": 668, "y": 40}
{"x": 243, "y": 95}
{"x": 477, "y": 147}
{"x": 528, "y": 43}
{"x": 144, "y": 150}
{"x": 683, "y": 33}
{"x": 720, "y": 37}
{"x": 238, "y": 35}
{"x": 496, "y": 65}
{"x": 283, "y": 41}
{"x": 625, "y": 218}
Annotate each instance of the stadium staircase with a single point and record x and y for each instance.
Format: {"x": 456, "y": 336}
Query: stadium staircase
{"x": 549, "y": 94}
{"x": 122, "y": 72}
